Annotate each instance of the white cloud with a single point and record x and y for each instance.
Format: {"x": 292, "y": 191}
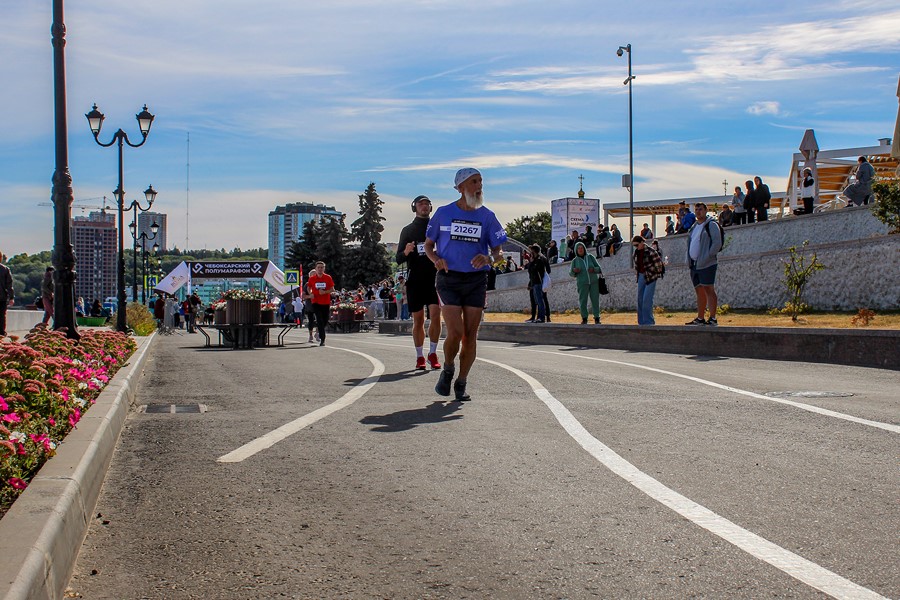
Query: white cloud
{"x": 769, "y": 107}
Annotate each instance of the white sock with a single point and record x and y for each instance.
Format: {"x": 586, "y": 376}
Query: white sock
{"x": 419, "y": 351}
{"x": 433, "y": 347}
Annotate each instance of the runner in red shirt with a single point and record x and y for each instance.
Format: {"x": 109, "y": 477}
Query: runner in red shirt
{"x": 320, "y": 287}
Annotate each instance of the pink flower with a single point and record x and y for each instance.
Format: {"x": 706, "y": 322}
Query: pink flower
{"x": 74, "y": 417}
{"x": 17, "y": 483}
{"x": 3, "y": 404}
{"x": 11, "y": 418}
{"x": 52, "y": 422}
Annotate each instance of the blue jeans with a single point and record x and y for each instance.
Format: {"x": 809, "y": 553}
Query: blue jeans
{"x": 645, "y": 301}
{"x": 538, "y": 294}
{"x": 404, "y": 312}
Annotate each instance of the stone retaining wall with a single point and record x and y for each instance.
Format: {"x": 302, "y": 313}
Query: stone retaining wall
{"x": 863, "y": 268}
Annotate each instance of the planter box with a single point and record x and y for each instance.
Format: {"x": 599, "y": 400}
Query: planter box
{"x": 219, "y": 317}
{"x": 242, "y": 312}
{"x": 267, "y": 316}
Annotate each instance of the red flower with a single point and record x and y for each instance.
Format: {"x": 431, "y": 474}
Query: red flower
{"x": 17, "y": 483}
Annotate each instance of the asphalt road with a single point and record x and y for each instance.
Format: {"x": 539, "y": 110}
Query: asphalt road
{"x": 573, "y": 473}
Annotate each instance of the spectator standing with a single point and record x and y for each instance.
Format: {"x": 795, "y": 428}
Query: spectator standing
{"x": 47, "y": 294}
{"x": 384, "y": 294}
{"x": 649, "y": 267}
{"x": 297, "y": 307}
{"x": 464, "y": 239}
{"x": 538, "y": 267}
{"x": 570, "y": 244}
{"x": 552, "y": 252}
{"x": 7, "y": 294}
{"x": 704, "y": 244}
{"x": 860, "y": 191}
{"x": 646, "y": 232}
{"x": 321, "y": 286}
{"x": 79, "y": 307}
{"x": 737, "y": 203}
{"x": 687, "y": 219}
{"x": 586, "y": 271}
{"x": 750, "y": 202}
{"x": 670, "y": 226}
{"x": 808, "y": 191}
{"x": 159, "y": 311}
{"x": 400, "y": 295}
{"x": 762, "y": 200}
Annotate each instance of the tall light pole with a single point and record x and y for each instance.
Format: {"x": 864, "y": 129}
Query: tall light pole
{"x": 150, "y": 195}
{"x": 620, "y": 52}
{"x": 95, "y": 120}
{"x": 63, "y": 256}
{"x": 143, "y": 238}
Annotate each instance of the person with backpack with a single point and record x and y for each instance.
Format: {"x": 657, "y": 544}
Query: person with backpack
{"x": 705, "y": 240}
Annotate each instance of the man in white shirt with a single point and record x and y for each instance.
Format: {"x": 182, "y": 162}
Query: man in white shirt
{"x": 297, "y": 306}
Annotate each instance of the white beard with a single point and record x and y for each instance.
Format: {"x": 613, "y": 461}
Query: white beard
{"x": 474, "y": 200}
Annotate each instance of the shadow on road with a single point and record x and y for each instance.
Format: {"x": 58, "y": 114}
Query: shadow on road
{"x": 388, "y": 377}
{"x": 403, "y": 420}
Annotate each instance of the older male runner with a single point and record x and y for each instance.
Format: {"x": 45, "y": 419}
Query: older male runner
{"x": 463, "y": 240}
{"x": 420, "y": 290}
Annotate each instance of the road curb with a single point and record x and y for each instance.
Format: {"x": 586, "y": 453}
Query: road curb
{"x": 42, "y": 533}
{"x": 878, "y": 348}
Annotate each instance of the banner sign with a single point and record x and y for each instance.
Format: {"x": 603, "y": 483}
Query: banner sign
{"x": 573, "y": 214}
{"x": 223, "y": 270}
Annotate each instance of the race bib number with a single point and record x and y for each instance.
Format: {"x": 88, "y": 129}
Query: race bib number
{"x": 465, "y": 231}
{"x": 320, "y": 285}
{"x": 420, "y": 248}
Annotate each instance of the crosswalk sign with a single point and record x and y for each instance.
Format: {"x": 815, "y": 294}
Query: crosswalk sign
{"x": 292, "y": 277}
{"x": 150, "y": 282}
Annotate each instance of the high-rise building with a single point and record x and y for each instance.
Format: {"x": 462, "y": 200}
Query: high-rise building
{"x": 145, "y": 220}
{"x": 286, "y": 226}
{"x": 95, "y": 238}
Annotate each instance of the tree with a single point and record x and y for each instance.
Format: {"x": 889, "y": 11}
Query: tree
{"x": 369, "y": 261}
{"x": 887, "y": 209}
{"x": 534, "y": 229}
{"x": 797, "y": 274}
{"x": 332, "y": 235}
{"x": 302, "y": 253}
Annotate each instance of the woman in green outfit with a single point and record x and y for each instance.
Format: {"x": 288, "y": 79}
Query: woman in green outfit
{"x": 586, "y": 270}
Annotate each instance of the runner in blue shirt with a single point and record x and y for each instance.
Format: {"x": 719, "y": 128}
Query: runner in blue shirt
{"x": 463, "y": 240}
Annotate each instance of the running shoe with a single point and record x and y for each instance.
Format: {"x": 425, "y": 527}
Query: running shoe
{"x": 420, "y": 363}
{"x": 459, "y": 390}
{"x": 443, "y": 383}
{"x": 596, "y": 320}
{"x": 712, "y": 321}
{"x": 697, "y": 321}
{"x": 433, "y": 361}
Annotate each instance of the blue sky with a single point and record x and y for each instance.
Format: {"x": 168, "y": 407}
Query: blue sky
{"x": 310, "y": 101}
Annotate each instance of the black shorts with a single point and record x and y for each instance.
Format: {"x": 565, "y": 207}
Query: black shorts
{"x": 461, "y": 289}
{"x": 420, "y": 295}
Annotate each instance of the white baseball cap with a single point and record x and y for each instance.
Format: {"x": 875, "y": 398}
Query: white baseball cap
{"x": 464, "y": 174}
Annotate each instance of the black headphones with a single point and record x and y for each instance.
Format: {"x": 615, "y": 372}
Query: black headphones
{"x": 416, "y": 201}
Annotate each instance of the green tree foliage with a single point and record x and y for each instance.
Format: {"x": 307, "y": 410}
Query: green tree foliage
{"x": 302, "y": 253}
{"x": 526, "y": 229}
{"x": 27, "y": 271}
{"x": 330, "y": 240}
{"x": 887, "y": 208}
{"x": 367, "y": 262}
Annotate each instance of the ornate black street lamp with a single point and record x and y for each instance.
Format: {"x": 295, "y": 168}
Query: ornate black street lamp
{"x": 63, "y": 256}
{"x": 145, "y": 266}
{"x": 145, "y": 120}
{"x": 150, "y": 195}
{"x": 143, "y": 238}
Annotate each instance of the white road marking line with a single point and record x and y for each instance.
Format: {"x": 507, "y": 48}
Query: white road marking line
{"x": 792, "y": 564}
{"x": 288, "y": 429}
{"x": 808, "y": 407}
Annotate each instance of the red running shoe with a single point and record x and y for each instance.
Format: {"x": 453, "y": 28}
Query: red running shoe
{"x": 433, "y": 361}
{"x": 420, "y": 363}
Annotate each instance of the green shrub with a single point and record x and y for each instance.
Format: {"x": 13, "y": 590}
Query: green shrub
{"x": 887, "y": 208}
{"x": 139, "y": 319}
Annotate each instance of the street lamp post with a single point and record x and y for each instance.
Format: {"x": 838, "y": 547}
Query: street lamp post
{"x": 150, "y": 195}
{"x": 620, "y": 52}
{"x": 63, "y": 256}
{"x": 145, "y": 120}
{"x": 143, "y": 238}
{"x": 145, "y": 266}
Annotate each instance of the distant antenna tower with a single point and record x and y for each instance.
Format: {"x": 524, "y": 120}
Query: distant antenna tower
{"x": 187, "y": 199}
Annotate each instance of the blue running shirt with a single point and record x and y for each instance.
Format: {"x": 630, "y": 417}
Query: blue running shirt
{"x": 459, "y": 235}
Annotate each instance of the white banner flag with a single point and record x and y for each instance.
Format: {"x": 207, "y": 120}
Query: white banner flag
{"x": 275, "y": 277}
{"x": 175, "y": 280}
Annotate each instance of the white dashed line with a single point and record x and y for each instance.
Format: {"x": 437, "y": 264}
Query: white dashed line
{"x": 288, "y": 429}
{"x": 792, "y": 564}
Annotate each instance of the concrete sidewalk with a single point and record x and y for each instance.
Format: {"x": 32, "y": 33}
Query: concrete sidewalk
{"x": 42, "y": 533}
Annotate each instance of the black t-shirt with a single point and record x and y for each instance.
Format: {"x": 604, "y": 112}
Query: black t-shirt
{"x": 421, "y": 269}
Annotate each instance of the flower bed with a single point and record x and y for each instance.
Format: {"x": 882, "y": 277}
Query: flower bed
{"x": 46, "y": 383}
